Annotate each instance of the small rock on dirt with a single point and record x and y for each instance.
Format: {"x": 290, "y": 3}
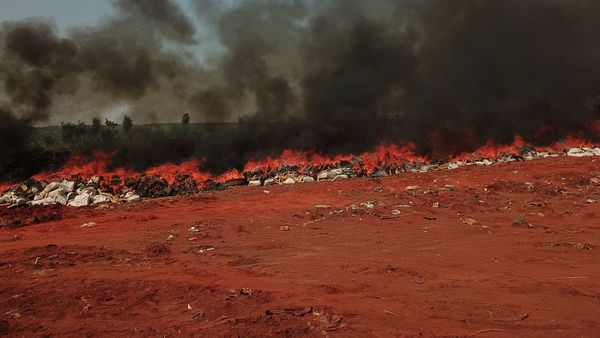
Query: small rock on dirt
{"x": 469, "y": 221}
{"x": 134, "y": 198}
{"x": 322, "y": 206}
{"x": 254, "y": 183}
{"x": 89, "y": 225}
{"x": 521, "y": 221}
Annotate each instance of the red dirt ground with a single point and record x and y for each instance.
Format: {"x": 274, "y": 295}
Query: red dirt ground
{"x": 511, "y": 250}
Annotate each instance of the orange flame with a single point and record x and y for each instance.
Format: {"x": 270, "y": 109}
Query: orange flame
{"x": 490, "y": 150}
{"x": 385, "y": 154}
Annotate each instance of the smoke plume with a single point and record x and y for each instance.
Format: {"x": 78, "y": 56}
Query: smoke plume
{"x": 330, "y": 76}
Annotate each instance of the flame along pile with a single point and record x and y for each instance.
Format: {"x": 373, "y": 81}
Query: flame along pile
{"x": 81, "y": 183}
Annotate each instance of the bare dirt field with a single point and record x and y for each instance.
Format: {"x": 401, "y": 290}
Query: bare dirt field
{"x": 507, "y": 250}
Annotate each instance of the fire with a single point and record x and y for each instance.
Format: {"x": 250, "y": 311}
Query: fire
{"x": 491, "y": 150}
{"x": 170, "y": 171}
{"x": 390, "y": 154}
{"x": 367, "y": 162}
{"x": 384, "y": 154}
{"x": 80, "y": 166}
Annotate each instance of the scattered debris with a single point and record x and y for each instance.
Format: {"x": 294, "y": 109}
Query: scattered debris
{"x": 206, "y": 248}
{"x": 246, "y": 292}
{"x": 308, "y": 179}
{"x": 36, "y": 264}
{"x": 583, "y": 152}
{"x": 368, "y": 204}
{"x": 295, "y": 311}
{"x": 391, "y": 313}
{"x": 469, "y": 221}
{"x": 88, "y": 225}
{"x": 580, "y": 246}
{"x": 514, "y": 319}
{"x": 522, "y": 222}
{"x": 322, "y": 206}
{"x": 195, "y": 315}
{"x": 132, "y": 197}
{"x": 255, "y": 183}
{"x": 329, "y": 321}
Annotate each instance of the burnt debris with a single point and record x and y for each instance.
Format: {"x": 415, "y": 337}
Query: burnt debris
{"x": 79, "y": 192}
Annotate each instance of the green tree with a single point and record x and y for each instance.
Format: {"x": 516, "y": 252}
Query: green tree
{"x": 110, "y": 123}
{"x": 96, "y": 126}
{"x": 185, "y": 119}
{"x": 127, "y": 123}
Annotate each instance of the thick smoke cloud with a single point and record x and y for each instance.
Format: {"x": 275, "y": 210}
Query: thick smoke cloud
{"x": 261, "y": 40}
{"x": 34, "y": 60}
{"x": 331, "y": 76}
{"x": 163, "y": 13}
{"x": 502, "y": 67}
{"x": 123, "y": 59}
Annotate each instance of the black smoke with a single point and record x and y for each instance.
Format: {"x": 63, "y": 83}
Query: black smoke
{"x": 329, "y": 76}
{"x": 19, "y": 156}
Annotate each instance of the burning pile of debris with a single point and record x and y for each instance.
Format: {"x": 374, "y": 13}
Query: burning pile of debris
{"x": 78, "y": 192}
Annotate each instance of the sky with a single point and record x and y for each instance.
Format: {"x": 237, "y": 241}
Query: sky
{"x": 64, "y": 13}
